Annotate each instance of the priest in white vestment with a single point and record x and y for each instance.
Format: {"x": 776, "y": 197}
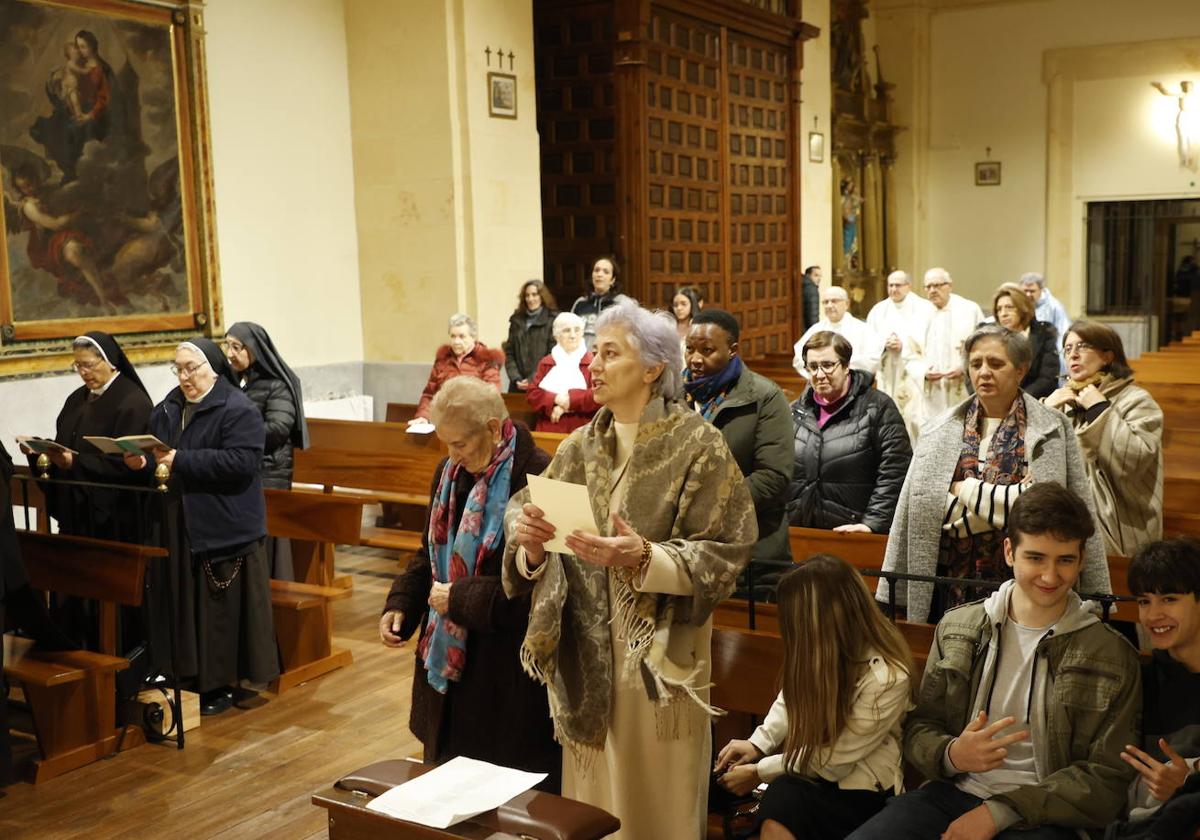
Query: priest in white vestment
{"x": 900, "y": 321}
{"x": 835, "y": 317}
{"x": 952, "y": 320}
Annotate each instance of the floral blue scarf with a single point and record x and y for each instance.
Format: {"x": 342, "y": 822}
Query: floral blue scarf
{"x": 708, "y": 392}
{"x": 454, "y": 555}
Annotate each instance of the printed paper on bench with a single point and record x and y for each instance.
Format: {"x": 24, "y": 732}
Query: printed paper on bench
{"x": 457, "y": 790}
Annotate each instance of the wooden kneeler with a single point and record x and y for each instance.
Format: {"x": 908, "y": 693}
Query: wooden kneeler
{"x": 72, "y": 694}
{"x": 303, "y": 610}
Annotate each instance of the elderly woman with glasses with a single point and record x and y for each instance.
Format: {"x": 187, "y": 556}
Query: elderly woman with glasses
{"x": 1119, "y": 427}
{"x": 111, "y": 402}
{"x": 561, "y": 390}
{"x": 621, "y": 622}
{"x": 851, "y": 446}
{"x": 215, "y": 526}
{"x": 969, "y": 467}
{"x": 470, "y": 696}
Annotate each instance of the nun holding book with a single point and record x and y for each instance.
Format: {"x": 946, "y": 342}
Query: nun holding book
{"x": 111, "y": 402}
{"x": 215, "y": 528}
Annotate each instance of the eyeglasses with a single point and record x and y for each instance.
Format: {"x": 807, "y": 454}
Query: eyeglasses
{"x": 187, "y": 372}
{"x": 80, "y": 367}
{"x": 234, "y": 346}
{"x": 822, "y": 367}
{"x": 931, "y": 286}
{"x": 1079, "y": 347}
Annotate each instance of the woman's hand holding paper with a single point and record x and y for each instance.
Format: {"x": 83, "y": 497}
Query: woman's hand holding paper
{"x": 533, "y": 532}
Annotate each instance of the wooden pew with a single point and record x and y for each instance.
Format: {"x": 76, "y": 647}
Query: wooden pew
{"x": 516, "y": 403}
{"x": 303, "y": 610}
{"x": 380, "y": 462}
{"x": 72, "y": 694}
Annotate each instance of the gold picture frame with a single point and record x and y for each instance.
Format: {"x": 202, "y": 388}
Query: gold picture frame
{"x": 108, "y": 219}
{"x": 987, "y": 173}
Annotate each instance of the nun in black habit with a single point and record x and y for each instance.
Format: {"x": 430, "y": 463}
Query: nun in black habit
{"x": 112, "y": 402}
{"x": 215, "y": 527}
{"x": 272, "y": 386}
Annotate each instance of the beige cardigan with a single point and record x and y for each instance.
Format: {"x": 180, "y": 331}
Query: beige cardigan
{"x": 866, "y": 756}
{"x": 1122, "y": 456}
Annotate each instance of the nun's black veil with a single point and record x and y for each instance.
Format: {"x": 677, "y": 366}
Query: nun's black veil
{"x": 112, "y": 353}
{"x": 264, "y": 354}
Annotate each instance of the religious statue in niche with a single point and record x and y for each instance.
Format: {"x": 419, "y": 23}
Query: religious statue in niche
{"x": 94, "y": 199}
{"x": 851, "y": 205}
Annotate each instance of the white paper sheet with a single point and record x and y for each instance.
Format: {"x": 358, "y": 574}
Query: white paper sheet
{"x": 567, "y": 507}
{"x": 425, "y": 428}
{"x": 456, "y": 791}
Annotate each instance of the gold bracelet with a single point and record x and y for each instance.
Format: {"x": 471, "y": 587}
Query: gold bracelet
{"x": 633, "y": 573}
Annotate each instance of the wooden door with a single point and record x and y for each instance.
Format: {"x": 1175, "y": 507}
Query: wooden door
{"x": 576, "y": 123}
{"x": 699, "y": 185}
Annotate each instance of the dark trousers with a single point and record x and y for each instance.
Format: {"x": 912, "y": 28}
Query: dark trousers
{"x": 816, "y": 809}
{"x": 928, "y": 811}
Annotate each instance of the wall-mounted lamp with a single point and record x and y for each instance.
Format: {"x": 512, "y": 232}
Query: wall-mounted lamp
{"x": 1187, "y": 122}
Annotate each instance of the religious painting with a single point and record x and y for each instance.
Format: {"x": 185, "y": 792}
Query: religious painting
{"x": 502, "y": 95}
{"x": 987, "y": 173}
{"x": 100, "y": 221}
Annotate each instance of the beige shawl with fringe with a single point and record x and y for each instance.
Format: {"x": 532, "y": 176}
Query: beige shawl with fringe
{"x": 684, "y": 493}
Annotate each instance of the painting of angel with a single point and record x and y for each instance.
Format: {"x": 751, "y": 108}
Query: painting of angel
{"x": 90, "y": 150}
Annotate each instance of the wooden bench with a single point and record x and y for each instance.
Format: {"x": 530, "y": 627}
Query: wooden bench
{"x": 72, "y": 694}
{"x": 302, "y": 610}
{"x": 380, "y": 462}
{"x": 516, "y": 403}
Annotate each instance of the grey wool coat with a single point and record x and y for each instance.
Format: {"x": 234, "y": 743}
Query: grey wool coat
{"x": 913, "y": 544}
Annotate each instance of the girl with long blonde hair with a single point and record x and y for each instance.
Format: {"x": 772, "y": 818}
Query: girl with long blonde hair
{"x": 829, "y": 749}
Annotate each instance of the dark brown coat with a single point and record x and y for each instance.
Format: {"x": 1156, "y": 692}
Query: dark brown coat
{"x": 495, "y": 712}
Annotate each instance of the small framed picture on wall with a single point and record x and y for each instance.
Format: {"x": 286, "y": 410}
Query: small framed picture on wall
{"x": 816, "y": 147}
{"x": 502, "y": 95}
{"x": 987, "y": 173}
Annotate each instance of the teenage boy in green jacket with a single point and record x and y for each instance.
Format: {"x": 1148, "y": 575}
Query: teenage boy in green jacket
{"x": 1026, "y": 703}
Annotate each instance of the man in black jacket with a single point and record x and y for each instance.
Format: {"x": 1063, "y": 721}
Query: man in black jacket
{"x": 810, "y": 293}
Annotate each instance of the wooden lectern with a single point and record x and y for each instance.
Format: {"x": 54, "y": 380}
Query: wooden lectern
{"x": 531, "y": 816}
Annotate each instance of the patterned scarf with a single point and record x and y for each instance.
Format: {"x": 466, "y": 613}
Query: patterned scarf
{"x": 710, "y": 391}
{"x": 686, "y": 493}
{"x": 456, "y": 555}
{"x": 1006, "y": 456}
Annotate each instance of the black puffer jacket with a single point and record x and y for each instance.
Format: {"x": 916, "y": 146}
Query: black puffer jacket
{"x": 852, "y": 470}
{"x": 274, "y": 401}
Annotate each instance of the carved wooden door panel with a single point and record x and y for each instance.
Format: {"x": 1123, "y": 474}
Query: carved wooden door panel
{"x": 685, "y": 234}
{"x": 761, "y": 226}
{"x": 576, "y": 121}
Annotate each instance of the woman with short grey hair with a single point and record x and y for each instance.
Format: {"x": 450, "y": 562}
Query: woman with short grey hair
{"x": 463, "y": 355}
{"x": 621, "y": 623}
{"x": 968, "y": 468}
{"x": 468, "y": 675}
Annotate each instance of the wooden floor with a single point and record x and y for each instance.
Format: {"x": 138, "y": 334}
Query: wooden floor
{"x": 246, "y": 773}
